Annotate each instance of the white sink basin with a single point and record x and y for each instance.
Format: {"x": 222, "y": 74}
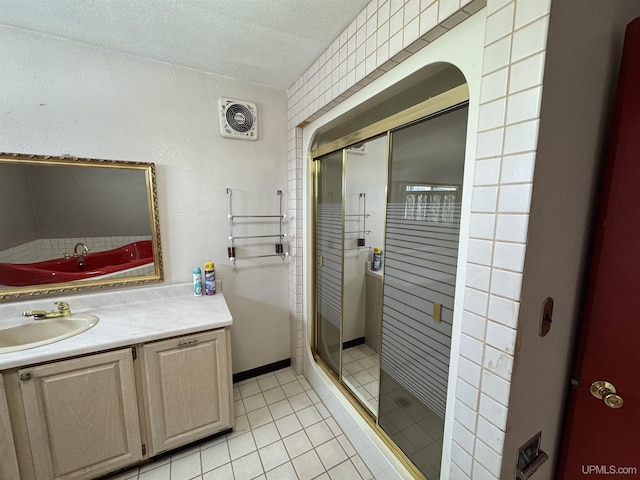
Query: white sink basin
{"x": 42, "y": 332}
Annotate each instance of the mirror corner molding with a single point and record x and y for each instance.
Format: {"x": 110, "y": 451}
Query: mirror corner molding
{"x": 70, "y": 224}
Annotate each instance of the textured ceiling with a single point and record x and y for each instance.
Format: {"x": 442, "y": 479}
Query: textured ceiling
{"x": 268, "y": 42}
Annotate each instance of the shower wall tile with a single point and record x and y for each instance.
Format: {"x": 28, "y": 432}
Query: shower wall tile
{"x": 512, "y": 228}
{"x": 497, "y": 55}
{"x": 482, "y": 226}
{"x": 478, "y": 277}
{"x": 526, "y": 73}
{"x": 461, "y": 458}
{"x": 500, "y": 24}
{"x": 490, "y": 434}
{"x": 484, "y": 200}
{"x": 481, "y": 473}
{"x": 496, "y": 387}
{"x": 489, "y": 144}
{"x": 521, "y": 137}
{"x": 530, "y": 39}
{"x": 467, "y": 394}
{"x": 472, "y": 349}
{"x": 474, "y": 325}
{"x": 488, "y": 458}
{"x": 466, "y": 416}
{"x": 457, "y": 473}
{"x": 465, "y": 438}
{"x": 498, "y": 362}
{"x": 487, "y": 172}
{"x": 492, "y": 114}
{"x": 470, "y": 372}
{"x": 524, "y": 105}
{"x": 506, "y": 284}
{"x": 517, "y": 168}
{"x": 495, "y": 86}
{"x": 515, "y": 198}
{"x": 480, "y": 251}
{"x": 530, "y": 10}
{"x": 504, "y": 311}
{"x": 493, "y": 412}
{"x": 509, "y": 256}
{"x": 476, "y": 301}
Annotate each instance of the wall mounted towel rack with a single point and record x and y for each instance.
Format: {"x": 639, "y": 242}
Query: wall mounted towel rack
{"x": 280, "y": 236}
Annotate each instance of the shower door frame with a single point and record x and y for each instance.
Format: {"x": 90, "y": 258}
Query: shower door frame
{"x": 437, "y": 105}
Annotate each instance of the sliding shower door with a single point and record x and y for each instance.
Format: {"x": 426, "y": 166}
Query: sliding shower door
{"x": 422, "y": 234}
{"x": 383, "y": 328}
{"x": 329, "y": 246}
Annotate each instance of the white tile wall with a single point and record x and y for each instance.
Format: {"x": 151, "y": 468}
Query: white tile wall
{"x": 383, "y": 35}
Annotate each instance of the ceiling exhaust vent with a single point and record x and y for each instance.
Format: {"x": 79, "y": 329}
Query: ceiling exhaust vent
{"x": 238, "y": 119}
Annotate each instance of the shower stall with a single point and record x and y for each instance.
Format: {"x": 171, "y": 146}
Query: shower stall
{"x": 387, "y": 220}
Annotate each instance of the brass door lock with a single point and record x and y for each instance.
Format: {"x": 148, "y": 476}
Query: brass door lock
{"x": 606, "y": 392}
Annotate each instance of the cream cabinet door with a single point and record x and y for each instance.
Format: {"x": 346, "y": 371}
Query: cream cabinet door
{"x": 82, "y": 415}
{"x": 8, "y": 459}
{"x": 187, "y": 388}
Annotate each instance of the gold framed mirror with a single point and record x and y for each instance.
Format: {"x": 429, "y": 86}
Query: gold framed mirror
{"x": 73, "y": 224}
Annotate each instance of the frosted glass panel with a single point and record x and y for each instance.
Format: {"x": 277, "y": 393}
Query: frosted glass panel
{"x": 329, "y": 257}
{"x": 421, "y": 250}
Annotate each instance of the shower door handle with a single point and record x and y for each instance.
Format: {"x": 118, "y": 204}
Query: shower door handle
{"x": 320, "y": 261}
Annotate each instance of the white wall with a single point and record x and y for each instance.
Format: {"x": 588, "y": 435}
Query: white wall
{"x": 581, "y": 71}
{"x": 59, "y": 97}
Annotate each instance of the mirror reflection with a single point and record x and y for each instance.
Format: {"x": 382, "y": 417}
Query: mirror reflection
{"x": 70, "y": 224}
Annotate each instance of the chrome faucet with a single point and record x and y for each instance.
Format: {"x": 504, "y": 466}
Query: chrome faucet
{"x": 80, "y": 256}
{"x": 84, "y": 250}
{"x": 64, "y": 310}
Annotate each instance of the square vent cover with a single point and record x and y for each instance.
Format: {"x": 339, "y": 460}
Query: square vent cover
{"x": 238, "y": 119}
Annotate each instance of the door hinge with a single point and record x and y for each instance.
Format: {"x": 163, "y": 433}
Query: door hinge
{"x": 134, "y": 353}
{"x": 144, "y": 449}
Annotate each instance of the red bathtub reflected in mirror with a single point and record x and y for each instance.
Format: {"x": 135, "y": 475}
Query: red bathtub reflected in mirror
{"x": 70, "y": 269}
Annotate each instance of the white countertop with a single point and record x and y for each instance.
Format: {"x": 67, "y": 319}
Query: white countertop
{"x": 127, "y": 317}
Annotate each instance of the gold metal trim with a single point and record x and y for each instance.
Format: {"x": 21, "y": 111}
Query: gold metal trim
{"x": 75, "y": 287}
{"x": 440, "y": 103}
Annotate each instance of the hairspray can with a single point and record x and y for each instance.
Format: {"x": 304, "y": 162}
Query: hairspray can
{"x": 209, "y": 278}
{"x": 376, "y": 262}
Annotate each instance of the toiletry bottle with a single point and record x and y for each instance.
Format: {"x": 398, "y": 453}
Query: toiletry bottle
{"x": 377, "y": 259}
{"x": 209, "y": 278}
{"x": 197, "y": 282}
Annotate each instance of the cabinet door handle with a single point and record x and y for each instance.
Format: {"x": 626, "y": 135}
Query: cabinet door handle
{"x": 188, "y": 343}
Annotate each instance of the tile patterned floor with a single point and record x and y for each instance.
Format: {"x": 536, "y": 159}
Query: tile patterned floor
{"x": 361, "y": 371}
{"x": 282, "y": 431}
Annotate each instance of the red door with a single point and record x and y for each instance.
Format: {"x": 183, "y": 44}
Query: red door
{"x": 600, "y": 440}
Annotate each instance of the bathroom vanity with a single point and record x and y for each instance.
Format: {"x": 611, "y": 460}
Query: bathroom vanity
{"x": 154, "y": 374}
